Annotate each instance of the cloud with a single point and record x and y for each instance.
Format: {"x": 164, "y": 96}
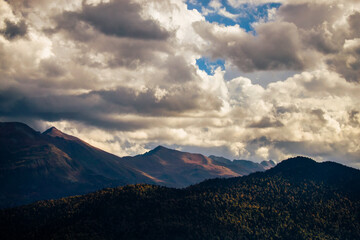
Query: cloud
{"x": 114, "y": 18}
{"x": 51, "y": 68}
{"x": 115, "y": 29}
{"x": 266, "y": 122}
{"x": 14, "y": 30}
{"x": 215, "y": 7}
{"x": 309, "y": 15}
{"x": 239, "y": 3}
{"x": 174, "y": 101}
{"x": 354, "y": 22}
{"x": 108, "y": 108}
{"x": 276, "y": 46}
{"x": 302, "y": 35}
{"x": 347, "y": 62}
{"x": 123, "y": 76}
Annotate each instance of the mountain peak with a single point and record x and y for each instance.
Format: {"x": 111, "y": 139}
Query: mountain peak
{"x": 297, "y": 162}
{"x": 50, "y": 130}
{"x": 18, "y": 126}
{"x": 16, "y": 130}
{"x": 297, "y": 167}
{"x": 158, "y": 149}
{"x": 54, "y": 132}
{"x": 268, "y": 164}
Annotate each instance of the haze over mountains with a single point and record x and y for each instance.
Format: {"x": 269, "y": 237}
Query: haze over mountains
{"x": 52, "y": 164}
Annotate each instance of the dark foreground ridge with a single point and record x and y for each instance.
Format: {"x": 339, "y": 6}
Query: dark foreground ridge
{"x": 298, "y": 199}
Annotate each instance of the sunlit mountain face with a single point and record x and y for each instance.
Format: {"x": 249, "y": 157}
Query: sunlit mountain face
{"x": 49, "y": 165}
{"x": 241, "y": 79}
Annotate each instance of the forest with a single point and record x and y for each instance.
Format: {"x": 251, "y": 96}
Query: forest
{"x": 297, "y": 199}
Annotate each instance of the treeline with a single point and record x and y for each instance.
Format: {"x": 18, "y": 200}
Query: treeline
{"x": 269, "y": 205}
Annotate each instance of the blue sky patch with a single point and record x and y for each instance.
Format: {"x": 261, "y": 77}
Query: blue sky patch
{"x": 245, "y": 15}
{"x": 209, "y": 66}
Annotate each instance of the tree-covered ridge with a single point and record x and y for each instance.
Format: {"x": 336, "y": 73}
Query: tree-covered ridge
{"x": 270, "y": 205}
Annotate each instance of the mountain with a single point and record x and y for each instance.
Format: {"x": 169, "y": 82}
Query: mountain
{"x": 178, "y": 169}
{"x": 268, "y": 164}
{"x": 243, "y": 167}
{"x": 297, "y": 199}
{"x": 36, "y": 166}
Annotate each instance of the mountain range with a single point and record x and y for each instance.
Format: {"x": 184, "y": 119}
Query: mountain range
{"x": 297, "y": 199}
{"x": 37, "y": 166}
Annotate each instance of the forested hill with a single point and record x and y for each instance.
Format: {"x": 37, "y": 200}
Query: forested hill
{"x": 298, "y": 199}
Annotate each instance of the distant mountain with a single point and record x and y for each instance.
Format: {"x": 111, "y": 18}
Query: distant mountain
{"x": 178, "y": 169}
{"x": 300, "y": 170}
{"x": 297, "y": 199}
{"x": 36, "y": 166}
{"x": 268, "y": 164}
{"x": 243, "y": 167}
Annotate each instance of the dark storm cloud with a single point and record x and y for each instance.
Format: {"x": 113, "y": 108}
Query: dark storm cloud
{"x": 266, "y": 122}
{"x": 280, "y": 110}
{"x": 51, "y": 68}
{"x": 119, "y": 18}
{"x": 75, "y": 29}
{"x": 320, "y": 40}
{"x": 260, "y": 141}
{"x": 309, "y": 15}
{"x": 275, "y": 46}
{"x": 122, "y": 18}
{"x": 178, "y": 70}
{"x": 347, "y": 63}
{"x": 117, "y": 29}
{"x": 132, "y": 53}
{"x": 179, "y": 99}
{"x": 14, "y": 30}
{"x": 354, "y": 22}
{"x": 104, "y": 108}
{"x": 319, "y": 114}
{"x": 314, "y": 22}
{"x": 350, "y": 71}
{"x": 354, "y": 118}
{"x": 79, "y": 108}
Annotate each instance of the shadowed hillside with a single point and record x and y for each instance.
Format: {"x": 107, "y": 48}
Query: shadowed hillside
{"x": 294, "y": 200}
{"x": 36, "y": 166}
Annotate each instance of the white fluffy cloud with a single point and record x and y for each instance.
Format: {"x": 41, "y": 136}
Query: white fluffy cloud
{"x": 127, "y": 82}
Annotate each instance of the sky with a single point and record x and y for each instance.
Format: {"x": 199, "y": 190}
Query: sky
{"x": 243, "y": 79}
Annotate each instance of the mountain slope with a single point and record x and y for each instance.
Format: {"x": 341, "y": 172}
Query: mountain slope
{"x": 36, "y": 166}
{"x": 243, "y": 167}
{"x": 299, "y": 203}
{"x": 52, "y": 164}
{"x": 178, "y": 169}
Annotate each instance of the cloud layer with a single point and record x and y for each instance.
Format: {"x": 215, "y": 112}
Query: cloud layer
{"x": 123, "y": 76}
